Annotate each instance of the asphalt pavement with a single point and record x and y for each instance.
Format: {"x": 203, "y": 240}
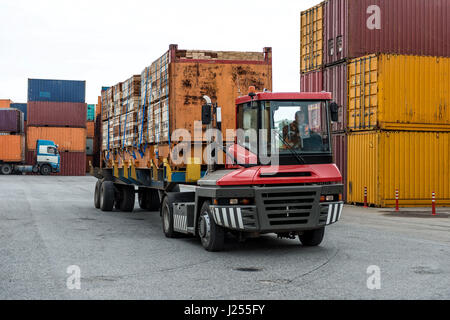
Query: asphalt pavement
{"x": 49, "y": 228}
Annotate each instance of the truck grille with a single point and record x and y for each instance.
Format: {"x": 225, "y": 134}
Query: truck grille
{"x": 288, "y": 208}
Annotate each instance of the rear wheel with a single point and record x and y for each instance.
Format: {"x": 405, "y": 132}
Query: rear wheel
{"x": 167, "y": 218}
{"x": 312, "y": 238}
{"x": 212, "y": 235}
{"x": 6, "y": 169}
{"x": 98, "y": 185}
{"x": 127, "y": 198}
{"x": 45, "y": 170}
{"x": 107, "y": 196}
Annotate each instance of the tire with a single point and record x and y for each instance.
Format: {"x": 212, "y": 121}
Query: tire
{"x": 167, "y": 219}
{"x": 149, "y": 199}
{"x": 127, "y": 198}
{"x": 45, "y": 170}
{"x": 107, "y": 196}
{"x": 98, "y": 185}
{"x": 6, "y": 169}
{"x": 312, "y": 238}
{"x": 211, "y": 235}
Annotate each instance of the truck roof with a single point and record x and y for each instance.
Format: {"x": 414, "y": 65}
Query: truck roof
{"x": 307, "y": 96}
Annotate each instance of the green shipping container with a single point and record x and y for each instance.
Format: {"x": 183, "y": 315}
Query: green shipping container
{"x": 90, "y": 112}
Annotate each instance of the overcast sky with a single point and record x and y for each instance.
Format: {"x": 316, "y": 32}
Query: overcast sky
{"x": 105, "y": 42}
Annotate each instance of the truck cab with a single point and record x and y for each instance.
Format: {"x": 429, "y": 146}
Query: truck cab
{"x": 281, "y": 178}
{"x": 48, "y": 159}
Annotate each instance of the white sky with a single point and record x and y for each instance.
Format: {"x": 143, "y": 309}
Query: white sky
{"x": 105, "y": 42}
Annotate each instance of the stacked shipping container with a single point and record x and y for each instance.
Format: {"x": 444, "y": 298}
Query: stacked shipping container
{"x": 384, "y": 63}
{"x": 57, "y": 111}
{"x": 12, "y": 138}
{"x": 171, "y": 95}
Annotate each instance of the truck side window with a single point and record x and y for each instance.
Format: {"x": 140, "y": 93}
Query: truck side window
{"x": 51, "y": 150}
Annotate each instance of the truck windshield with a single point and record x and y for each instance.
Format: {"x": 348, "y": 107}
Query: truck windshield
{"x": 301, "y": 126}
{"x": 288, "y": 127}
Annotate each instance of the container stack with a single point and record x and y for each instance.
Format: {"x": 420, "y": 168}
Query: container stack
{"x": 57, "y": 111}
{"x": 90, "y": 134}
{"x": 170, "y": 93}
{"x": 393, "y": 93}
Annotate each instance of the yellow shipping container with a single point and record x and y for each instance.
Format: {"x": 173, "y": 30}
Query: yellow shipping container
{"x": 68, "y": 139}
{"x": 398, "y": 92}
{"x": 311, "y": 38}
{"x": 416, "y": 163}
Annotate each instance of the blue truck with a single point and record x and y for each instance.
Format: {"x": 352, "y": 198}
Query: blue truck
{"x": 48, "y": 160}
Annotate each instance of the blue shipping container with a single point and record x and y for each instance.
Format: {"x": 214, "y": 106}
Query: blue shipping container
{"x": 56, "y": 90}
{"x": 22, "y": 107}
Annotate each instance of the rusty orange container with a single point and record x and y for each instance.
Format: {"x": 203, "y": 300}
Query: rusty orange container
{"x": 12, "y": 148}
{"x": 90, "y": 129}
{"x": 5, "y": 103}
{"x": 68, "y": 139}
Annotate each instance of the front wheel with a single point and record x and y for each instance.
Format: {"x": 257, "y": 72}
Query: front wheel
{"x": 167, "y": 218}
{"x": 312, "y": 238}
{"x": 212, "y": 235}
{"x": 46, "y": 170}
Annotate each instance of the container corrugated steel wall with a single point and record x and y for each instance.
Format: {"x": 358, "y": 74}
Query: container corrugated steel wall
{"x": 399, "y": 92}
{"x": 68, "y": 139}
{"x": 90, "y": 112}
{"x": 311, "y": 81}
{"x": 56, "y": 90}
{"x": 415, "y": 163}
{"x": 57, "y": 114}
{"x": 22, "y": 107}
{"x": 311, "y": 39}
{"x": 340, "y": 157}
{"x": 90, "y": 129}
{"x": 12, "y": 148}
{"x": 416, "y": 27}
{"x": 335, "y": 81}
{"x": 5, "y": 103}
{"x": 11, "y": 121}
{"x": 72, "y": 163}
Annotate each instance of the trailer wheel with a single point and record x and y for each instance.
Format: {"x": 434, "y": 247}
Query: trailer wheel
{"x": 107, "y": 196}
{"x": 98, "y": 185}
{"x": 149, "y": 199}
{"x": 312, "y": 238}
{"x": 6, "y": 169}
{"x": 46, "y": 170}
{"x": 127, "y": 198}
{"x": 212, "y": 235}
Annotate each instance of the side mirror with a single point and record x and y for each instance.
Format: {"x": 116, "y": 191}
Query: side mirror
{"x": 334, "y": 112}
{"x": 206, "y": 114}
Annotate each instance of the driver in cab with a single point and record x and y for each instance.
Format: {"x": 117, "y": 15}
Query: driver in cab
{"x": 297, "y": 131}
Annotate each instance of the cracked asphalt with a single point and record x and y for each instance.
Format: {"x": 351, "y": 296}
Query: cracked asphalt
{"x": 49, "y": 223}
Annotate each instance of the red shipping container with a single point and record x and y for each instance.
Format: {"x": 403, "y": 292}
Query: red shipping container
{"x": 340, "y": 145}
{"x": 57, "y": 114}
{"x": 354, "y": 28}
{"x": 335, "y": 81}
{"x": 72, "y": 163}
{"x": 311, "y": 81}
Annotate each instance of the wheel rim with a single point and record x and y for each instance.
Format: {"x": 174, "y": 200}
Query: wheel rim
{"x": 45, "y": 170}
{"x": 205, "y": 228}
{"x": 6, "y": 170}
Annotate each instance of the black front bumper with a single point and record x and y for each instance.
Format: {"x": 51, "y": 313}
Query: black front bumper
{"x": 281, "y": 209}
